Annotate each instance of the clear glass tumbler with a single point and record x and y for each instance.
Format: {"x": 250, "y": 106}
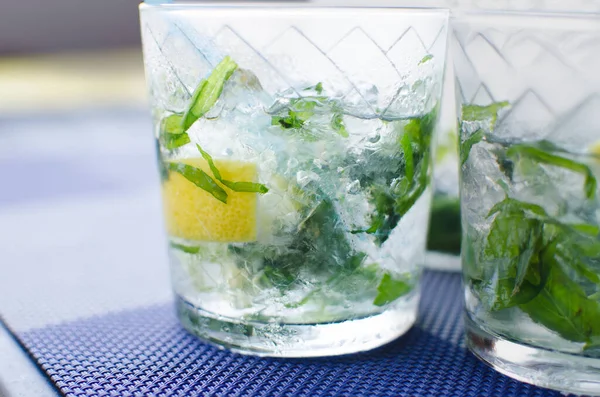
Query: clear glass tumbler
{"x": 294, "y": 146}
{"x": 528, "y": 84}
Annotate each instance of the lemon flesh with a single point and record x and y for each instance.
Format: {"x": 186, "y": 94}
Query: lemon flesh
{"x": 194, "y": 214}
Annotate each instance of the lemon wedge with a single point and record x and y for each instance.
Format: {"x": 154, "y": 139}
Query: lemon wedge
{"x": 194, "y": 214}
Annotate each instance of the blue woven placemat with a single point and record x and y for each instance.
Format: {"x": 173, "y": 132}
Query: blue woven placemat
{"x": 145, "y": 352}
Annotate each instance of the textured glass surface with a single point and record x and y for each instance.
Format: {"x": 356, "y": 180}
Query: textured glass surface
{"x": 296, "y": 167}
{"x": 528, "y": 90}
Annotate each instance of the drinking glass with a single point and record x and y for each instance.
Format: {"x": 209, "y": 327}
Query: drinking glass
{"x": 528, "y": 88}
{"x": 294, "y": 148}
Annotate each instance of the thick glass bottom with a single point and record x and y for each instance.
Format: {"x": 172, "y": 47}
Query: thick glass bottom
{"x": 565, "y": 372}
{"x": 299, "y": 340}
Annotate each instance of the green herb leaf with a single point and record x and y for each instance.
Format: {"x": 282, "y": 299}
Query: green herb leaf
{"x": 208, "y": 91}
{"x": 172, "y": 135}
{"x": 563, "y": 307}
{"x": 483, "y": 113}
{"x": 318, "y": 88}
{"x": 174, "y": 141}
{"x": 200, "y": 179}
{"x": 249, "y": 187}
{"x": 300, "y": 110}
{"x": 407, "y": 176}
{"x": 426, "y": 59}
{"x": 290, "y": 121}
{"x": 211, "y": 163}
{"x": 337, "y": 123}
{"x": 390, "y": 289}
{"x": 467, "y": 145}
{"x": 188, "y": 249}
{"x": 513, "y": 245}
{"x": 172, "y": 124}
{"x": 544, "y": 157}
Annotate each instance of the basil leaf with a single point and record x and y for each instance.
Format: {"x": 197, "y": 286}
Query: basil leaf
{"x": 467, "y": 145}
{"x": 208, "y": 91}
{"x": 512, "y": 246}
{"x": 563, "y": 307}
{"x": 172, "y": 124}
{"x": 172, "y": 135}
{"x": 200, "y": 179}
{"x": 211, "y": 163}
{"x": 541, "y": 156}
{"x": 186, "y": 248}
{"x": 390, "y": 289}
{"x": 174, "y": 141}
{"x": 483, "y": 113}
{"x": 426, "y": 59}
{"x": 249, "y": 187}
{"x": 337, "y": 123}
{"x": 300, "y": 110}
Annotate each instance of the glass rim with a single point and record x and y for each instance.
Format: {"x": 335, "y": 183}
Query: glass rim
{"x": 549, "y": 14}
{"x": 286, "y": 7}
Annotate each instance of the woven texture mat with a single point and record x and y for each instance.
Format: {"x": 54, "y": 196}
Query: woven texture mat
{"x": 145, "y": 352}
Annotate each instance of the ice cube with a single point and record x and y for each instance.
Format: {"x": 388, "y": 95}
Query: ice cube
{"x": 305, "y": 177}
{"x": 482, "y": 181}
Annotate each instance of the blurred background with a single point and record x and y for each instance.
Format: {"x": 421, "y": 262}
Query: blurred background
{"x": 69, "y": 54}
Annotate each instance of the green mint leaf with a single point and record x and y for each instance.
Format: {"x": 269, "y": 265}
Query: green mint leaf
{"x": 408, "y": 177}
{"x": 172, "y": 135}
{"x": 318, "y": 88}
{"x": 290, "y": 121}
{"x": 188, "y": 249}
{"x": 189, "y": 118}
{"x": 513, "y": 244}
{"x": 200, "y": 179}
{"x": 300, "y": 110}
{"x": 467, "y": 145}
{"x": 426, "y": 59}
{"x": 541, "y": 156}
{"x": 564, "y": 308}
{"x": 584, "y": 228}
{"x": 516, "y": 207}
{"x": 211, "y": 163}
{"x": 337, "y": 123}
{"x": 208, "y": 91}
{"x": 172, "y": 124}
{"x": 483, "y": 113}
{"x": 174, "y": 141}
{"x": 390, "y": 289}
{"x": 249, "y": 187}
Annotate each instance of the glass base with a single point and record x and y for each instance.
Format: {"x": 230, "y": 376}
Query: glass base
{"x": 564, "y": 372}
{"x": 298, "y": 340}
